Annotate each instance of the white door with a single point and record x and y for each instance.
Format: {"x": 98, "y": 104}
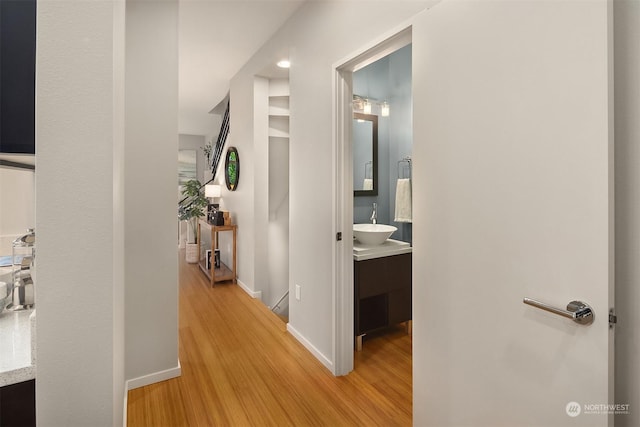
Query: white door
{"x": 512, "y": 199}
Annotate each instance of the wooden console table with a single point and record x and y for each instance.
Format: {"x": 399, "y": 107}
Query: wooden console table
{"x": 224, "y": 273}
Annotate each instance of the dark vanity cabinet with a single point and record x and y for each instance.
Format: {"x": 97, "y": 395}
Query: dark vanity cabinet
{"x": 382, "y": 292}
{"x": 18, "y": 404}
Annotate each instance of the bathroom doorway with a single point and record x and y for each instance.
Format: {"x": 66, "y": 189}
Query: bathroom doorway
{"x": 375, "y": 83}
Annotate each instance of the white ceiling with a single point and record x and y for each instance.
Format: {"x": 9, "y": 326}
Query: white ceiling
{"x": 216, "y": 38}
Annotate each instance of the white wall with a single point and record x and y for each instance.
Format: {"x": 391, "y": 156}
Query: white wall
{"x": 240, "y": 202}
{"x": 17, "y": 210}
{"x": 316, "y": 37}
{"x": 118, "y": 249}
{"x": 119, "y": 301}
{"x": 105, "y": 208}
{"x": 501, "y": 212}
{"x": 79, "y": 285}
{"x": 278, "y": 235}
{"x": 191, "y": 122}
{"x": 151, "y": 131}
{"x": 260, "y": 183}
{"x": 627, "y": 111}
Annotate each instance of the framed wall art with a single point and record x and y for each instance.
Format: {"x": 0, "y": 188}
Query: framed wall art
{"x": 232, "y": 169}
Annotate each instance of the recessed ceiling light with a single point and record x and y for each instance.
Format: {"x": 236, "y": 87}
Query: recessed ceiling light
{"x": 284, "y": 63}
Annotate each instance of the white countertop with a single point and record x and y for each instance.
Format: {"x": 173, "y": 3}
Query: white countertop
{"x": 17, "y": 344}
{"x": 388, "y": 248}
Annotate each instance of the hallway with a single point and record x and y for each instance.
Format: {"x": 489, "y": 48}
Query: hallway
{"x": 241, "y": 368}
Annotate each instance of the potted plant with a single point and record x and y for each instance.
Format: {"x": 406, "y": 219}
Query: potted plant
{"x": 190, "y": 208}
{"x": 208, "y": 151}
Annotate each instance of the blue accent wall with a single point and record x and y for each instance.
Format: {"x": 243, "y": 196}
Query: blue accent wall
{"x": 388, "y": 79}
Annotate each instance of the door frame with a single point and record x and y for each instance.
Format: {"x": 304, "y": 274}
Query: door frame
{"x": 343, "y": 299}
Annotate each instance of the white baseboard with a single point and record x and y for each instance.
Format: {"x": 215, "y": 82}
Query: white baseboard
{"x": 153, "y": 378}
{"x": 156, "y": 377}
{"x": 318, "y": 355}
{"x": 252, "y": 294}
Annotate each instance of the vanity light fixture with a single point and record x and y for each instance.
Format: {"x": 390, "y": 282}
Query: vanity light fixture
{"x": 384, "y": 110}
{"x": 284, "y": 63}
{"x": 366, "y": 106}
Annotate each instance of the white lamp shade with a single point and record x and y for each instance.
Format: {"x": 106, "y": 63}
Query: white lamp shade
{"x": 212, "y": 190}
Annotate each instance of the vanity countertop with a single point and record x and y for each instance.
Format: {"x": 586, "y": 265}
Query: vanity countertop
{"x": 388, "y": 248}
{"x": 17, "y": 344}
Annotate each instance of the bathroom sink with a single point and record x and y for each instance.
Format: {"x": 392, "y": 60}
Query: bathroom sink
{"x": 372, "y": 234}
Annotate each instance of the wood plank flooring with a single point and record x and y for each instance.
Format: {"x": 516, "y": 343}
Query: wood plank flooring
{"x": 241, "y": 368}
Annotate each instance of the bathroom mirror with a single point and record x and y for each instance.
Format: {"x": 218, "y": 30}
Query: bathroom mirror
{"x": 365, "y": 154}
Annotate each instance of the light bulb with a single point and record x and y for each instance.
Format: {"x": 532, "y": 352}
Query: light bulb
{"x": 367, "y": 107}
{"x": 385, "y": 109}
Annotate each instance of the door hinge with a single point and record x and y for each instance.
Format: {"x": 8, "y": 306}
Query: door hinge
{"x": 613, "y": 319}
{"x": 339, "y": 236}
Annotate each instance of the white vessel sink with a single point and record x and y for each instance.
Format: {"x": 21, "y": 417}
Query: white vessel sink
{"x": 372, "y": 234}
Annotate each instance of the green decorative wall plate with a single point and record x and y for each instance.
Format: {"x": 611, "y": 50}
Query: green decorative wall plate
{"x": 232, "y": 169}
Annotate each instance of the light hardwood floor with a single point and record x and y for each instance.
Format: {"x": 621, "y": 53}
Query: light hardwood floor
{"x": 241, "y": 368}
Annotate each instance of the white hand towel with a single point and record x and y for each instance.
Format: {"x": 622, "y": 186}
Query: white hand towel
{"x": 403, "y": 200}
{"x": 368, "y": 184}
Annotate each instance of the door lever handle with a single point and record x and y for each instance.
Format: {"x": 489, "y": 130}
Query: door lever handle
{"x": 577, "y": 311}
